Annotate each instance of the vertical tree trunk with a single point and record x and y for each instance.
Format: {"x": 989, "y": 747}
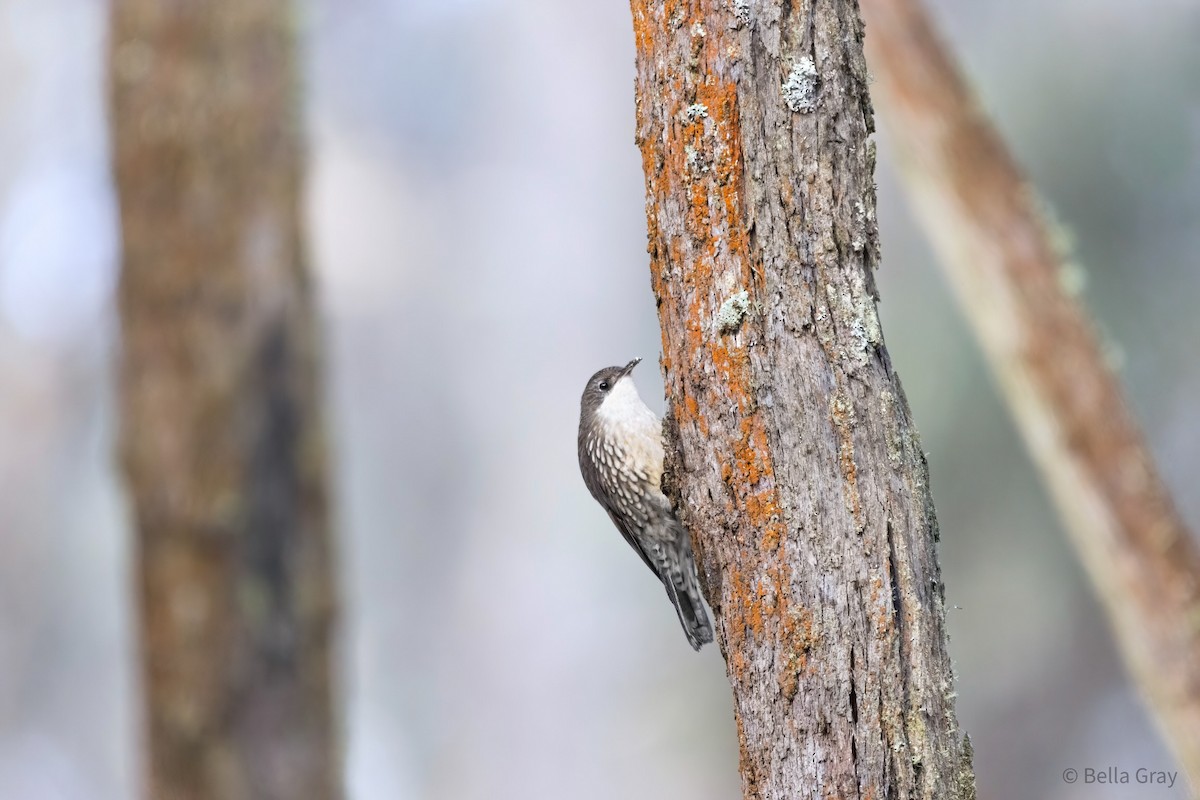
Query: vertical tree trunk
{"x": 797, "y": 467}
{"x": 221, "y": 435}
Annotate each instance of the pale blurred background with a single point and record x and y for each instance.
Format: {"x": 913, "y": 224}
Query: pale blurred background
{"x": 478, "y": 231}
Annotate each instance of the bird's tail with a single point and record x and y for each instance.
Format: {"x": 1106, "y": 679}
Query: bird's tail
{"x": 683, "y": 587}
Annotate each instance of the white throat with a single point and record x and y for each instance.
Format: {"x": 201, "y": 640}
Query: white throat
{"x": 625, "y": 421}
{"x": 624, "y": 413}
{"x": 623, "y": 404}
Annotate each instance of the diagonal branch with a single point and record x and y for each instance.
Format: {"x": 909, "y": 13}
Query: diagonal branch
{"x": 996, "y": 250}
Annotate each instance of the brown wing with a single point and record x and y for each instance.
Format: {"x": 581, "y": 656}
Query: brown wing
{"x": 622, "y": 497}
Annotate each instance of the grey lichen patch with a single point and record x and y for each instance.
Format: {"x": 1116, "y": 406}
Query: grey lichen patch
{"x": 800, "y": 88}
{"x": 844, "y": 418}
{"x": 964, "y": 788}
{"x": 1112, "y": 352}
{"x": 1062, "y": 239}
{"x": 859, "y": 242}
{"x": 864, "y": 224}
{"x": 891, "y": 424}
{"x": 872, "y": 333}
{"x": 822, "y": 326}
{"x": 732, "y": 312}
{"x": 741, "y": 11}
{"x": 799, "y": 634}
{"x": 843, "y": 408}
{"x": 694, "y": 112}
{"x": 1072, "y": 277}
{"x": 855, "y": 312}
{"x": 697, "y": 164}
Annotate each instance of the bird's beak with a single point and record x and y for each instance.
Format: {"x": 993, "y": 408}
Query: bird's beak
{"x": 629, "y": 367}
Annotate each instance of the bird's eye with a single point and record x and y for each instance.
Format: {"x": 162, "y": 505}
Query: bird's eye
{"x": 604, "y": 386}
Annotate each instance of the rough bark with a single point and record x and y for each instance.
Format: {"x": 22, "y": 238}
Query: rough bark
{"x": 794, "y": 461}
{"x": 221, "y": 437}
{"x": 1013, "y": 286}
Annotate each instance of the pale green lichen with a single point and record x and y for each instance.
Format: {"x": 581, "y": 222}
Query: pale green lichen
{"x": 965, "y": 784}
{"x": 1072, "y": 277}
{"x": 855, "y": 312}
{"x": 696, "y": 163}
{"x": 694, "y": 112}
{"x": 732, "y": 312}
{"x": 895, "y": 442}
{"x": 1112, "y": 352}
{"x": 800, "y": 88}
{"x": 859, "y": 242}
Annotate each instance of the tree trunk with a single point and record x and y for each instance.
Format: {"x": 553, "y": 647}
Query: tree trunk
{"x": 221, "y": 436}
{"x": 795, "y": 463}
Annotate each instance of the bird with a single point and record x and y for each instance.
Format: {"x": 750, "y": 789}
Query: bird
{"x": 621, "y": 460}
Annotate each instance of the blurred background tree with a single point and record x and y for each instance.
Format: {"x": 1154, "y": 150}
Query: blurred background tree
{"x": 499, "y": 642}
{"x": 221, "y": 434}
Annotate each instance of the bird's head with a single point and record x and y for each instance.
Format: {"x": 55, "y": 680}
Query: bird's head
{"x": 608, "y": 383}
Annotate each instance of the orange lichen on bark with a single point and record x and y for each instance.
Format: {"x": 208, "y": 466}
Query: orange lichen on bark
{"x": 752, "y": 477}
{"x": 696, "y": 157}
{"x": 738, "y": 623}
{"x": 698, "y": 218}
{"x": 737, "y": 663}
{"x": 881, "y": 605}
{"x": 773, "y": 536}
{"x": 797, "y": 638}
{"x": 731, "y": 363}
{"x": 720, "y": 100}
{"x": 671, "y": 9}
{"x": 747, "y": 764}
{"x": 643, "y": 29}
{"x": 700, "y": 254}
{"x": 748, "y": 603}
{"x": 752, "y": 454}
{"x": 693, "y": 414}
{"x": 755, "y": 603}
{"x": 693, "y": 345}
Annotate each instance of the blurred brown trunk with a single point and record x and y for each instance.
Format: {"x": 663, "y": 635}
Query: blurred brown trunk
{"x": 221, "y": 433}
{"x": 797, "y": 466}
